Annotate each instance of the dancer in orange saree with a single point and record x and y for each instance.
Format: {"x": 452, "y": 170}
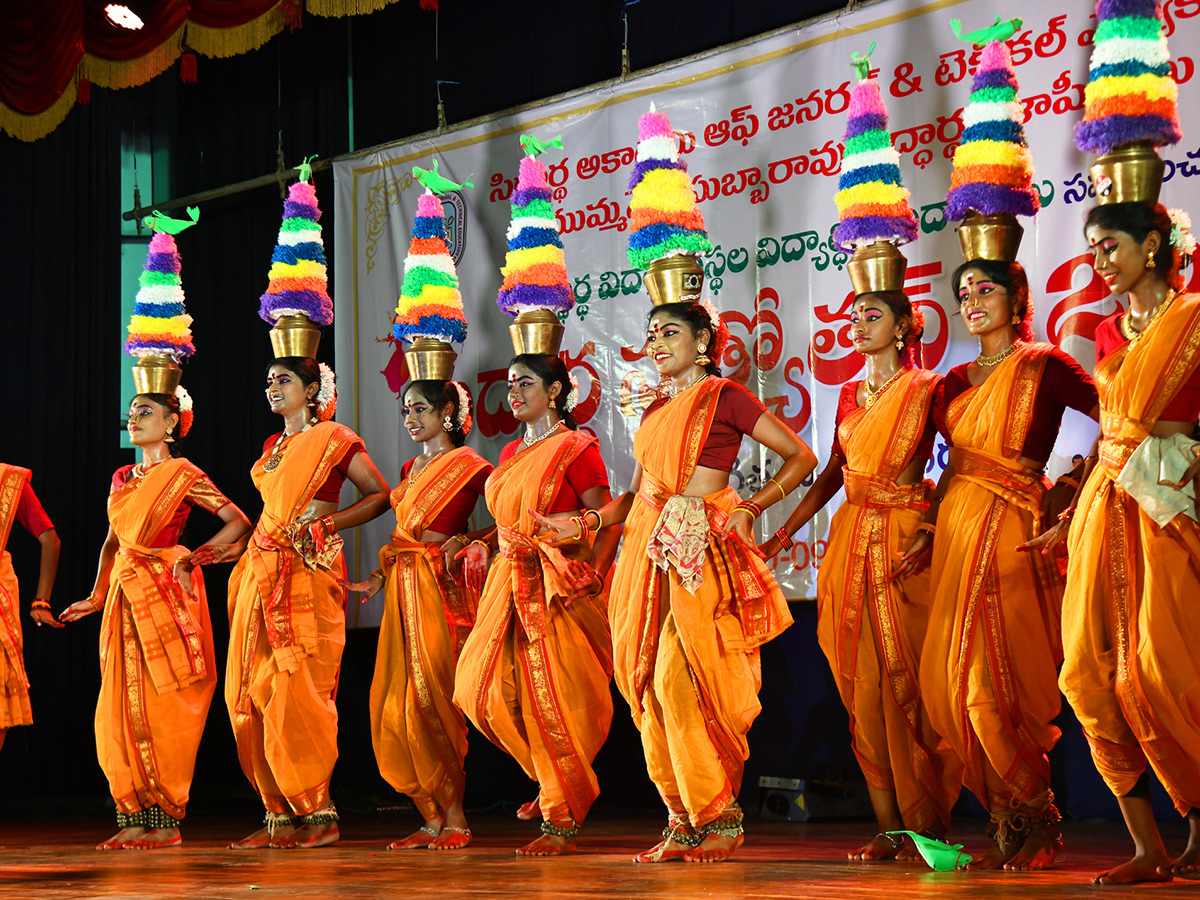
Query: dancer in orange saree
{"x": 157, "y": 667}
{"x": 534, "y": 673}
{"x": 873, "y": 610}
{"x": 18, "y": 503}
{"x": 1130, "y": 626}
{"x": 691, "y": 600}
{"x": 988, "y": 668}
{"x": 419, "y": 735}
{"x": 287, "y": 607}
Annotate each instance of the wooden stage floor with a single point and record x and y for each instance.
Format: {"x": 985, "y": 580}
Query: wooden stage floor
{"x": 779, "y": 861}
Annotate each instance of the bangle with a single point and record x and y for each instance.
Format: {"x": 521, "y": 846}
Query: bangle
{"x": 378, "y": 573}
{"x": 40, "y": 603}
{"x": 484, "y": 544}
{"x": 584, "y": 531}
{"x": 97, "y": 605}
{"x": 927, "y": 527}
{"x": 785, "y": 539}
{"x": 782, "y": 493}
{"x": 1067, "y": 514}
{"x": 327, "y": 521}
{"x": 599, "y": 518}
{"x": 749, "y": 507}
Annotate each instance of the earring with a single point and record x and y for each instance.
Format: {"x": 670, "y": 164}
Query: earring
{"x": 1150, "y": 263}
{"x": 447, "y": 425}
{"x": 1016, "y": 320}
{"x": 899, "y": 344}
{"x": 169, "y": 439}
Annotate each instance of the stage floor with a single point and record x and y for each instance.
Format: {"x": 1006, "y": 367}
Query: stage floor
{"x": 778, "y": 861}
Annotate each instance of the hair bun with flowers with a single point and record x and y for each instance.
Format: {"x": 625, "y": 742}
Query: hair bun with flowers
{"x": 1181, "y": 237}
{"x": 720, "y": 331}
{"x": 572, "y": 399}
{"x": 186, "y": 416}
{"x": 911, "y": 354}
{"x": 464, "y": 407}
{"x": 326, "y": 399}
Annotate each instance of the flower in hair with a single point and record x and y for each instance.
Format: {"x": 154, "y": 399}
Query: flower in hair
{"x": 720, "y": 331}
{"x": 1182, "y": 238}
{"x": 186, "y": 416}
{"x": 326, "y": 399}
{"x": 464, "y": 407}
{"x": 572, "y": 396}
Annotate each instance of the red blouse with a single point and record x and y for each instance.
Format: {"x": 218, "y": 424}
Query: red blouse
{"x": 1064, "y": 384}
{"x": 1184, "y": 406}
{"x": 203, "y": 493}
{"x": 30, "y": 513}
{"x": 586, "y": 472}
{"x": 331, "y": 490}
{"x": 454, "y": 516}
{"x": 848, "y": 403}
{"x": 737, "y": 413}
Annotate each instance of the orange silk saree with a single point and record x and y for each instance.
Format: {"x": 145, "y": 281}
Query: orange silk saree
{"x": 533, "y": 675}
{"x": 287, "y": 630}
{"x": 158, "y": 673}
{"x": 14, "y": 708}
{"x": 687, "y": 660}
{"x": 988, "y": 667}
{"x": 1131, "y": 624}
{"x": 871, "y": 627}
{"x": 419, "y": 735}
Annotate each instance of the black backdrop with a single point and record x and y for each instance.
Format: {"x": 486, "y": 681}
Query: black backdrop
{"x": 60, "y": 323}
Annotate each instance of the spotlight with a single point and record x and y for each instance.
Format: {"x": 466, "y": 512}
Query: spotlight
{"x": 130, "y": 14}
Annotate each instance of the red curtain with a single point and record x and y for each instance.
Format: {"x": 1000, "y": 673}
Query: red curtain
{"x": 50, "y": 49}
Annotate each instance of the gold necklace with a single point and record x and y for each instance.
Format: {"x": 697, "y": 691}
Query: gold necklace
{"x": 412, "y": 479}
{"x": 140, "y": 469}
{"x": 673, "y": 392}
{"x": 1130, "y": 333}
{"x": 873, "y": 395}
{"x": 997, "y": 358}
{"x": 529, "y": 443}
{"x": 276, "y": 457}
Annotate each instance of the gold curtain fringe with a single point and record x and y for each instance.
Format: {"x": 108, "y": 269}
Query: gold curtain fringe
{"x": 336, "y": 9}
{"x": 124, "y": 73}
{"x": 225, "y": 42}
{"x": 35, "y": 127}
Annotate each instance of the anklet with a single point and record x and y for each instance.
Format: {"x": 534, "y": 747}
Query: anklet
{"x": 681, "y": 832}
{"x": 132, "y": 820}
{"x": 156, "y": 817}
{"x": 323, "y": 817}
{"x": 554, "y": 829}
{"x": 728, "y": 824}
{"x": 275, "y": 821}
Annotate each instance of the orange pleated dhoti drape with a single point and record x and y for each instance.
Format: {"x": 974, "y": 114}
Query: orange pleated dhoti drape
{"x": 1131, "y": 614}
{"x": 534, "y": 674}
{"x": 871, "y": 627}
{"x": 14, "y": 704}
{"x": 687, "y": 660}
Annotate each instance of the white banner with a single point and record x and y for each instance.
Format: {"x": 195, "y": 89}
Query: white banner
{"x": 764, "y": 154}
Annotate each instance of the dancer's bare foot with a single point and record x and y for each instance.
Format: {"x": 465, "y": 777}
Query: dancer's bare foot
{"x": 548, "y": 845}
{"x": 715, "y": 848}
{"x": 118, "y": 840}
{"x": 1038, "y": 851}
{"x": 155, "y": 839}
{"x": 1143, "y": 867}
{"x": 527, "y": 812}
{"x": 882, "y": 846}
{"x": 451, "y": 838}
{"x": 261, "y": 839}
{"x": 306, "y": 837}
{"x": 994, "y": 858}
{"x": 420, "y": 839}
{"x": 1187, "y": 864}
{"x": 666, "y": 850}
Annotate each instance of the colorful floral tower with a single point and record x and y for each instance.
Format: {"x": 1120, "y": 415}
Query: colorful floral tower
{"x": 873, "y": 209}
{"x": 1130, "y": 103}
{"x": 667, "y": 234}
{"x": 297, "y": 300}
{"x": 992, "y": 181}
{"x": 160, "y": 333}
{"x": 429, "y": 314}
{"x": 536, "y": 289}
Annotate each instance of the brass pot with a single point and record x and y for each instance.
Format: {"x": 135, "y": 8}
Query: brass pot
{"x": 536, "y": 331}
{"x": 156, "y": 375}
{"x": 295, "y": 336}
{"x": 1130, "y": 173}
{"x": 877, "y": 267}
{"x": 430, "y": 360}
{"x": 996, "y": 237}
{"x": 674, "y": 279}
